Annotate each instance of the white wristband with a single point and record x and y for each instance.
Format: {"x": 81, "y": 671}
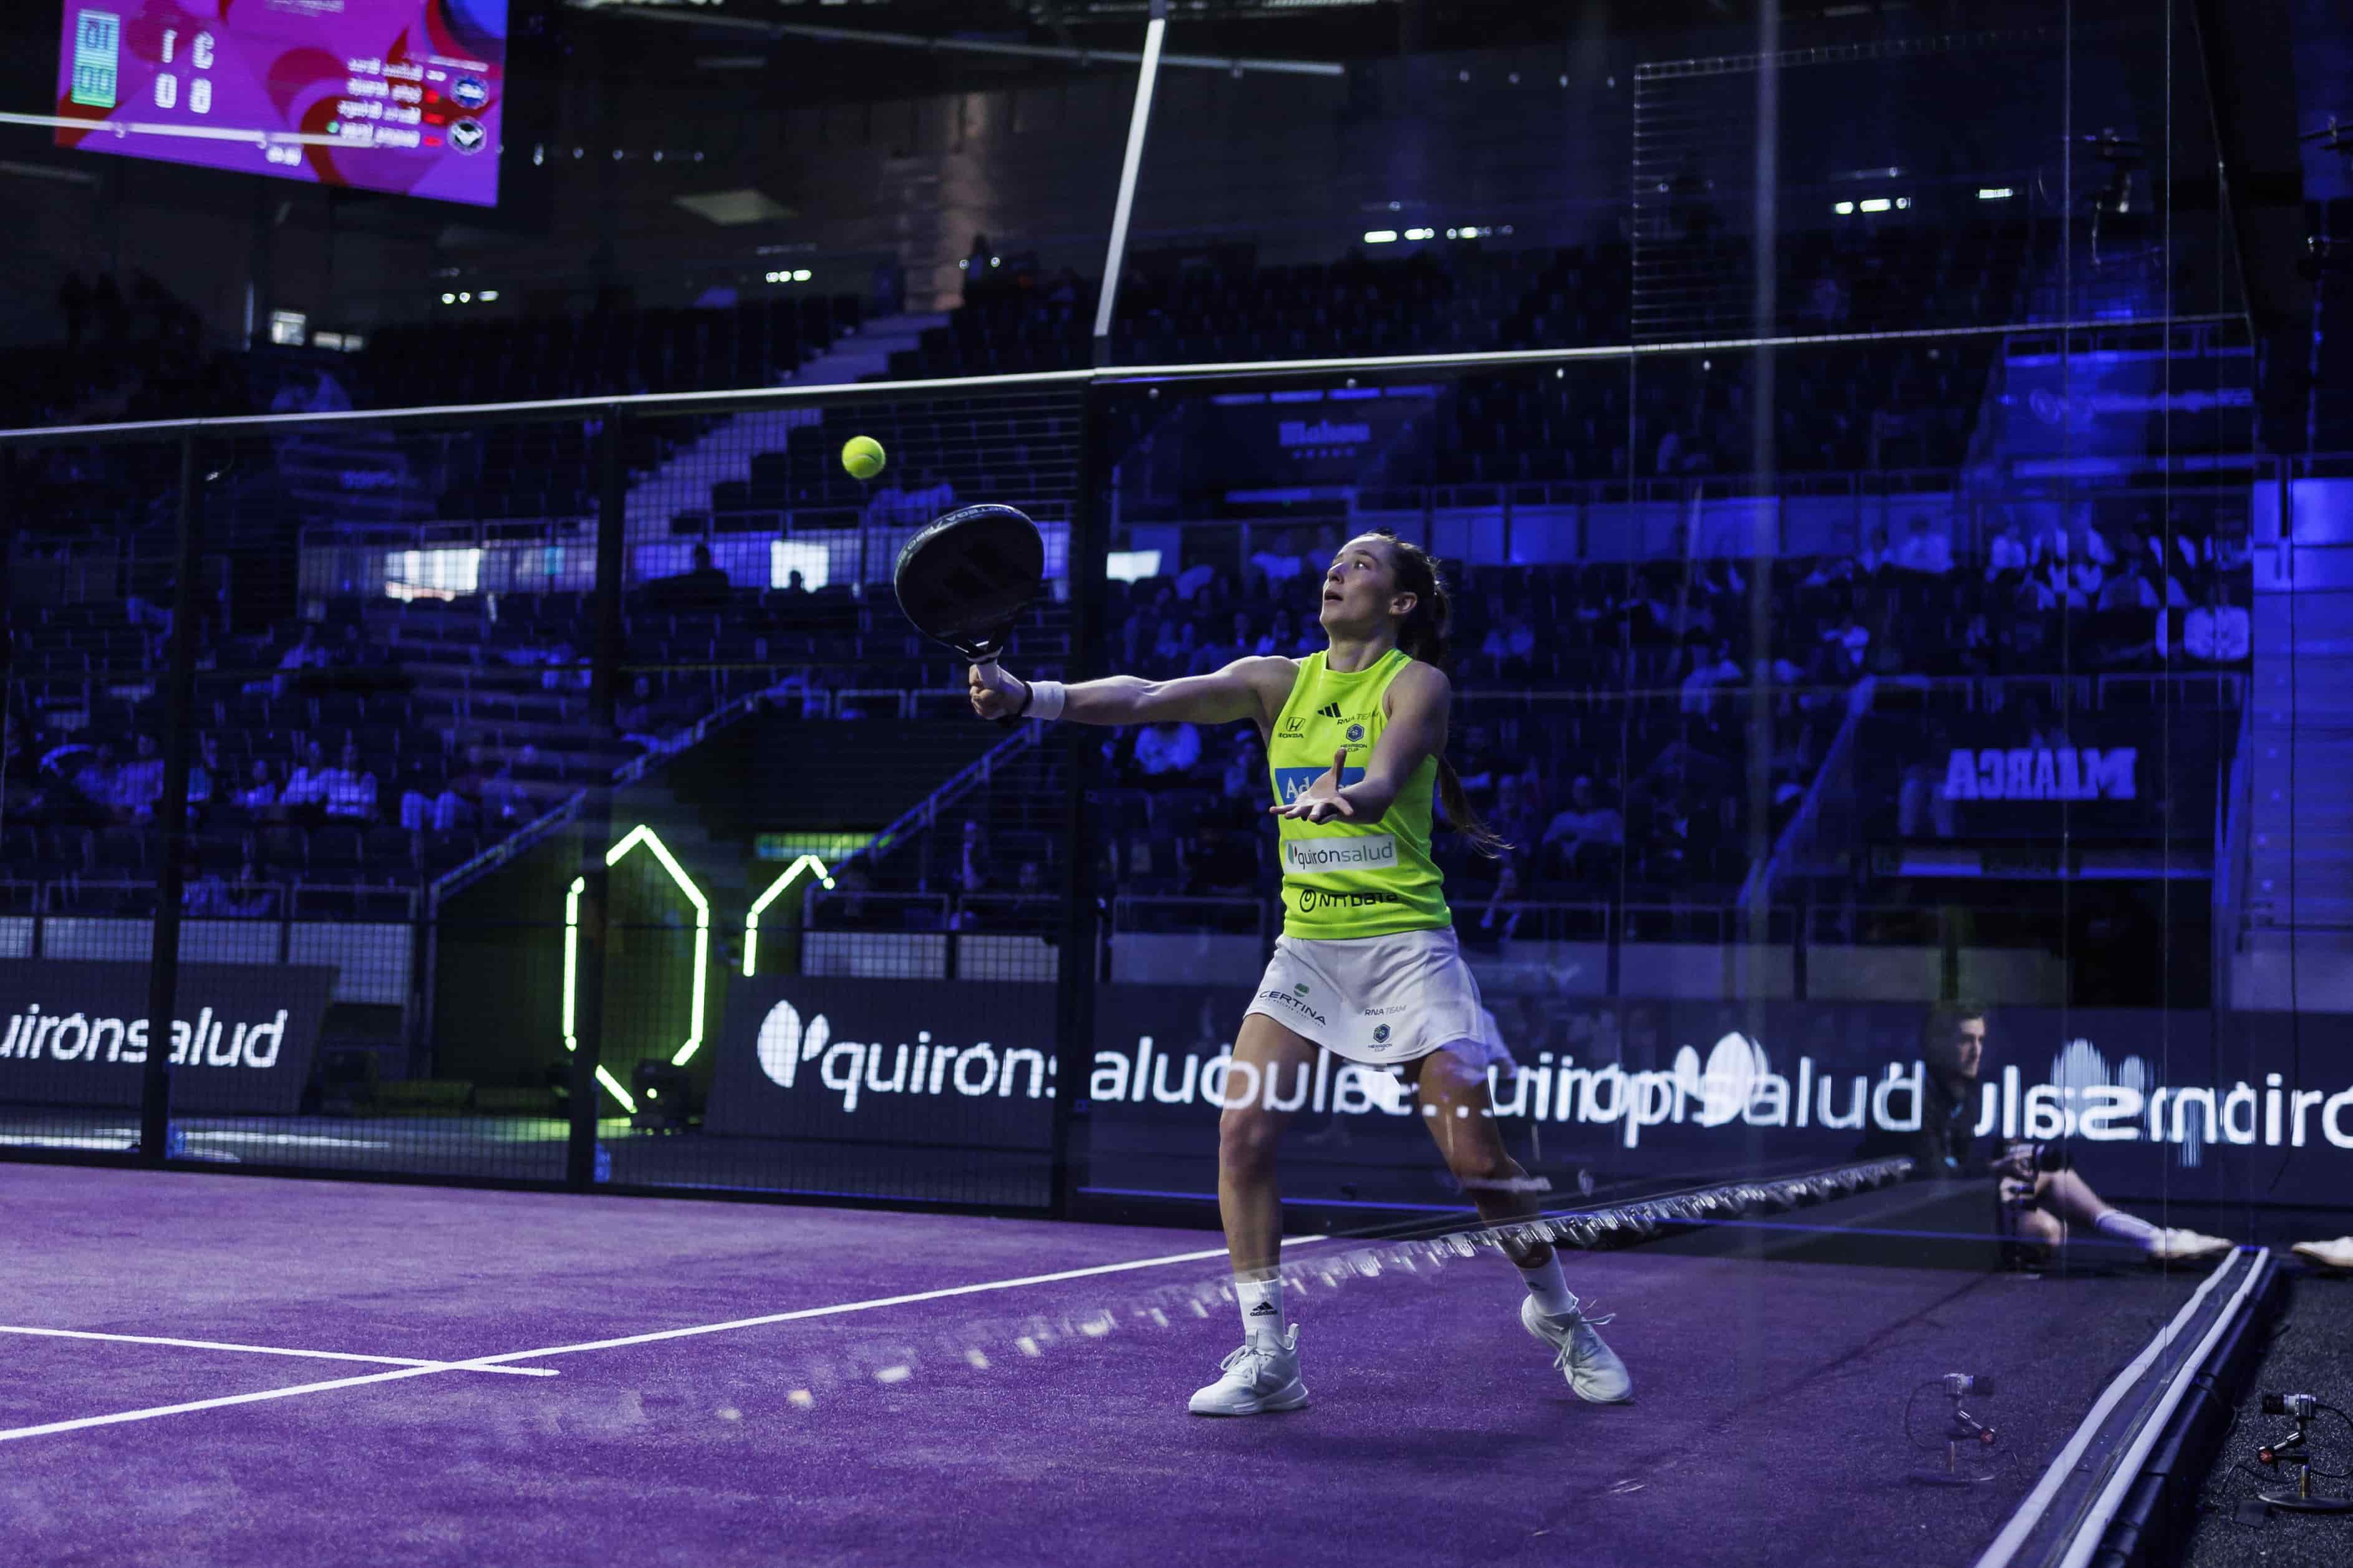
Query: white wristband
{"x": 1046, "y": 699}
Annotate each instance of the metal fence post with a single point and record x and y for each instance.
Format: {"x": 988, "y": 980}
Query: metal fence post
{"x": 1076, "y": 962}
{"x": 595, "y": 880}
{"x": 172, "y": 823}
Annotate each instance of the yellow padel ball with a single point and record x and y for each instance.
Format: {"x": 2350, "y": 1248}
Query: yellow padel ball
{"x": 862, "y": 455}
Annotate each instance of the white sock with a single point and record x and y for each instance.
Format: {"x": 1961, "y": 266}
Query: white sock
{"x": 1262, "y": 1304}
{"x": 2127, "y": 1228}
{"x": 1547, "y": 1284}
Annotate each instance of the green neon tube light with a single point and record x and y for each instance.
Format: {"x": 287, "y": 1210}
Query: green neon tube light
{"x": 775, "y": 890}
{"x": 638, "y": 836}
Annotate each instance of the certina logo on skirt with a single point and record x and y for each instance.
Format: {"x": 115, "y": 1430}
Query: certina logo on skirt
{"x": 1381, "y": 1035}
{"x": 1273, "y": 994}
{"x": 853, "y": 1069}
{"x": 1358, "y": 852}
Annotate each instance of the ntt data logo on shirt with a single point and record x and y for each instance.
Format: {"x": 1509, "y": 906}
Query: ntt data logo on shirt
{"x": 1324, "y": 857}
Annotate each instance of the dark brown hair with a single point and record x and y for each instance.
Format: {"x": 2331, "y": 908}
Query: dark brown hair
{"x": 1423, "y": 637}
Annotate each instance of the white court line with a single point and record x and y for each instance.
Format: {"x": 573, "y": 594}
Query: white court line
{"x": 480, "y": 1363}
{"x": 270, "y": 1350}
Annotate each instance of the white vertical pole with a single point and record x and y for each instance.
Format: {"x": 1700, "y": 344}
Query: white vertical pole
{"x": 1147, "y": 75}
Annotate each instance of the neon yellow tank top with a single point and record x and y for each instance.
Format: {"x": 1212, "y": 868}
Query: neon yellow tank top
{"x": 1342, "y": 879}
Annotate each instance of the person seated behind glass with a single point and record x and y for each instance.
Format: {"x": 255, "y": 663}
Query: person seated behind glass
{"x": 2040, "y": 1200}
{"x": 349, "y": 791}
{"x": 260, "y": 793}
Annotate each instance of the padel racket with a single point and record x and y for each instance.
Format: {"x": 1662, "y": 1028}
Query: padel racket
{"x": 965, "y": 579}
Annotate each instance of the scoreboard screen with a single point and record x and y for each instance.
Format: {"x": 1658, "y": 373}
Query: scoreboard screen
{"x": 381, "y": 95}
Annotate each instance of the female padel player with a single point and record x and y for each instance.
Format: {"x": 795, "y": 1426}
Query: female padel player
{"x": 1366, "y": 966}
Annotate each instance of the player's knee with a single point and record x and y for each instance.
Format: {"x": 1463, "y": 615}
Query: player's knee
{"x": 1246, "y": 1138}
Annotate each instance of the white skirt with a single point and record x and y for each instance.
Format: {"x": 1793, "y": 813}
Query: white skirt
{"x": 1382, "y": 1000}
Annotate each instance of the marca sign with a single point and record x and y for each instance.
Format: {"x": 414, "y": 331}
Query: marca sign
{"x": 2044, "y": 773}
{"x": 76, "y": 1032}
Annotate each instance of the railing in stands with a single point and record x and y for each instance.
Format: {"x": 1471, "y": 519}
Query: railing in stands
{"x": 963, "y": 781}
{"x": 2234, "y": 839}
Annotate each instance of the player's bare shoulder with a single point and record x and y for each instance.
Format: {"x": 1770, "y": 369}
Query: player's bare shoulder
{"x": 1269, "y": 679}
{"x": 1418, "y": 683}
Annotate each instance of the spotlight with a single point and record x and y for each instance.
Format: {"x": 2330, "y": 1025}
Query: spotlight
{"x": 662, "y": 1092}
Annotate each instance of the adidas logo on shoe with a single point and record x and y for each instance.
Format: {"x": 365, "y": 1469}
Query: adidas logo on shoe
{"x": 1330, "y": 710}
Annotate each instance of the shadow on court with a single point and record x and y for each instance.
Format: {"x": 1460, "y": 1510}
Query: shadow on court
{"x": 1768, "y": 1427}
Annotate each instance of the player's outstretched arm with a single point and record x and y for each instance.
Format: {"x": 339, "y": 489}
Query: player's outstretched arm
{"x": 1252, "y": 688}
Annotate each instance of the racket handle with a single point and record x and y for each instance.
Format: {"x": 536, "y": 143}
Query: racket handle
{"x": 988, "y": 673}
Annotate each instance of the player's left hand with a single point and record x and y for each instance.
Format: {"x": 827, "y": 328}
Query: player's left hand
{"x": 1321, "y": 801}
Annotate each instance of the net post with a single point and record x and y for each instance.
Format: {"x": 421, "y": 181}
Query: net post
{"x": 595, "y": 832}
{"x": 172, "y": 822}
{"x": 1077, "y": 949}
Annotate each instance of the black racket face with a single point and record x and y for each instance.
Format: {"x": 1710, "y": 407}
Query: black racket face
{"x": 965, "y": 579}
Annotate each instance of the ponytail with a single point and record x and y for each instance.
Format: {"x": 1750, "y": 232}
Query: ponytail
{"x": 1423, "y": 637}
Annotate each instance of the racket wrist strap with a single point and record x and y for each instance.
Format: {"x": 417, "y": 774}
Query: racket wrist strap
{"x": 1045, "y": 701}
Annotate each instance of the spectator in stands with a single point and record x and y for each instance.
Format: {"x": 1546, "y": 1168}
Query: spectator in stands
{"x": 1279, "y": 566}
{"x": 645, "y": 719}
{"x": 206, "y": 774}
{"x": 702, "y": 585}
{"x": 1511, "y": 643}
{"x": 793, "y": 597}
{"x": 349, "y": 791}
{"x": 306, "y": 654}
{"x": 1707, "y": 670}
{"x": 2006, "y": 558}
{"x": 976, "y": 263}
{"x": 1246, "y": 777}
{"x": 2216, "y": 629}
{"x": 1848, "y": 642}
{"x": 973, "y": 867}
{"x": 139, "y": 783}
{"x": 506, "y": 799}
{"x": 1165, "y": 754}
{"x": 1586, "y": 833}
{"x": 306, "y": 786}
{"x": 94, "y": 775}
{"x": 1514, "y": 817}
{"x": 260, "y": 791}
{"x": 1172, "y": 648}
{"x": 250, "y": 898}
{"x": 2130, "y": 589}
{"x": 1212, "y": 657}
{"x": 1499, "y": 918}
{"x": 1283, "y": 638}
{"x": 1875, "y": 557}
{"x": 1924, "y": 549}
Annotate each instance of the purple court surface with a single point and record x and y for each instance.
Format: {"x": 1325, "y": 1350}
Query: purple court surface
{"x": 1767, "y": 1430}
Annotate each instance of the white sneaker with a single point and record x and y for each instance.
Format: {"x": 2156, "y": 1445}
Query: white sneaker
{"x": 2186, "y": 1246}
{"x": 1592, "y": 1368}
{"x": 1259, "y": 1377}
{"x": 2337, "y": 1253}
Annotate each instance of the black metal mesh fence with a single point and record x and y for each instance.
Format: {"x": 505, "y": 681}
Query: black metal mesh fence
{"x": 576, "y": 806}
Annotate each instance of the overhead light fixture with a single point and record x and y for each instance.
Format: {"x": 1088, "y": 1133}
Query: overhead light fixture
{"x": 732, "y": 209}
{"x": 1995, "y": 193}
{"x": 1419, "y": 233}
{"x": 1380, "y": 235}
{"x": 1875, "y": 205}
{"x": 488, "y": 295}
{"x": 1842, "y": 208}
